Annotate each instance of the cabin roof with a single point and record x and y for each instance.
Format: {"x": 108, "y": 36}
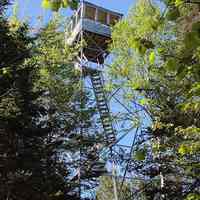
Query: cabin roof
{"x": 102, "y": 8}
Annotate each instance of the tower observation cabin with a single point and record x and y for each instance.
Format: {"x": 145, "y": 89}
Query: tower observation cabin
{"x": 92, "y": 24}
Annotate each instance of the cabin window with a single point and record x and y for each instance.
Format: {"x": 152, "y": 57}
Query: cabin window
{"x": 102, "y": 17}
{"x": 114, "y": 19}
{"x": 90, "y": 12}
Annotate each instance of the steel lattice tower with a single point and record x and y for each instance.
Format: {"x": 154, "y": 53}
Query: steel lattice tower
{"x": 90, "y": 26}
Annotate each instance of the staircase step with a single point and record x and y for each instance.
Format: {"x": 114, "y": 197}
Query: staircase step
{"x": 98, "y": 88}
{"x": 108, "y": 127}
{"x": 97, "y": 85}
{"x": 105, "y": 113}
{"x": 96, "y": 75}
{"x": 104, "y": 116}
{"x": 108, "y": 130}
{"x": 103, "y": 109}
{"x": 102, "y": 103}
{"x": 102, "y": 106}
{"x": 111, "y": 136}
{"x": 100, "y": 93}
{"x": 96, "y": 80}
{"x": 100, "y": 97}
{"x": 107, "y": 124}
{"x": 106, "y": 120}
{"x": 101, "y": 100}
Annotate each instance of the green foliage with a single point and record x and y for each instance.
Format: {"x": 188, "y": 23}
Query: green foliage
{"x": 193, "y": 197}
{"x": 184, "y": 149}
{"x": 105, "y": 190}
{"x": 140, "y": 155}
{"x": 152, "y": 57}
{"x": 173, "y": 13}
{"x": 171, "y": 64}
{"x": 55, "y": 5}
{"x": 63, "y": 84}
{"x": 163, "y": 63}
{"x": 40, "y": 114}
{"x": 192, "y": 40}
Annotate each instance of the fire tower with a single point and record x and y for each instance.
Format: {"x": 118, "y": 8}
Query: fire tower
{"x": 91, "y": 25}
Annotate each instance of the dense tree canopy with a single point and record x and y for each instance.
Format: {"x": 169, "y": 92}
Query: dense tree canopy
{"x": 157, "y": 59}
{"x": 49, "y": 146}
{"x": 42, "y": 117}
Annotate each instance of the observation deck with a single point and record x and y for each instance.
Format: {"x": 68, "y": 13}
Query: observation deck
{"x": 93, "y": 24}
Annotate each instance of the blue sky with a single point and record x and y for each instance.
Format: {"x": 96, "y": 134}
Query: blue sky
{"x": 31, "y": 9}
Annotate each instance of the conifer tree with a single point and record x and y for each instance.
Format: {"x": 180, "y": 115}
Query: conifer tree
{"x": 41, "y": 118}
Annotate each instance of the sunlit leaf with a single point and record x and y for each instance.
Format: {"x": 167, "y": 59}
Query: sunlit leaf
{"x": 179, "y": 2}
{"x": 183, "y": 149}
{"x": 152, "y": 57}
{"x": 140, "y": 155}
{"x": 171, "y": 64}
{"x": 65, "y": 3}
{"x": 173, "y": 13}
{"x": 46, "y": 4}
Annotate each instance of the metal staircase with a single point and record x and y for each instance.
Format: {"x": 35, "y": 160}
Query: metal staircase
{"x": 102, "y": 106}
